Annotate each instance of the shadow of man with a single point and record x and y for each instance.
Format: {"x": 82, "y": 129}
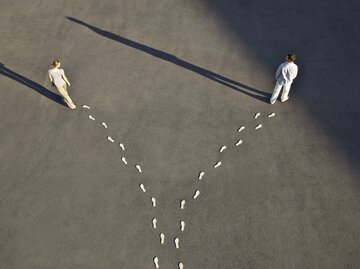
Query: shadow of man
{"x": 31, "y": 84}
{"x": 257, "y": 94}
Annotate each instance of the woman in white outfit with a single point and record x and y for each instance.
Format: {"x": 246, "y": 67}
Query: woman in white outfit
{"x": 284, "y": 76}
{"x": 58, "y": 78}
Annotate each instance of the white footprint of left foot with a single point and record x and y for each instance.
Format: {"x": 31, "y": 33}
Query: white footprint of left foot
{"x": 182, "y": 225}
{"x": 181, "y": 266}
{"x": 196, "y": 194}
{"x": 202, "y": 173}
{"x": 110, "y": 139}
{"x": 91, "y": 117}
{"x": 182, "y": 204}
{"x": 121, "y": 145}
{"x": 154, "y": 222}
{"x": 257, "y": 115}
{"x": 153, "y": 200}
{"x": 85, "y": 106}
{"x": 222, "y": 148}
{"x": 176, "y": 241}
{"x": 124, "y": 160}
{"x": 239, "y": 143}
{"x": 156, "y": 262}
{"x": 138, "y": 167}
{"x": 258, "y": 126}
{"x": 217, "y": 164}
{"x": 142, "y": 187}
{"x": 162, "y": 238}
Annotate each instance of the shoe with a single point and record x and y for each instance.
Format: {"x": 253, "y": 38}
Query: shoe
{"x": 272, "y": 102}
{"x": 284, "y": 100}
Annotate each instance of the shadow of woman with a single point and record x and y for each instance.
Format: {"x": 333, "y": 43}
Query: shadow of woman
{"x": 31, "y": 84}
{"x": 257, "y": 94}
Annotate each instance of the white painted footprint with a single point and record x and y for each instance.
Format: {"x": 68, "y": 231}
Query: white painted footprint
{"x": 121, "y": 145}
{"x": 258, "y": 126}
{"x": 85, "y": 106}
{"x": 104, "y": 124}
{"x": 154, "y": 222}
{"x": 124, "y": 160}
{"x": 182, "y": 204}
{"x": 182, "y": 225}
{"x": 239, "y": 143}
{"x": 181, "y": 266}
{"x": 257, "y": 115}
{"x": 222, "y": 148}
{"x": 202, "y": 173}
{"x": 110, "y": 139}
{"x": 91, "y": 117}
{"x": 142, "y": 187}
{"x": 156, "y": 262}
{"x": 271, "y": 115}
{"x": 241, "y": 129}
{"x": 217, "y": 164}
{"x": 162, "y": 238}
{"x": 196, "y": 194}
{"x": 153, "y": 200}
{"x": 176, "y": 241}
{"x": 138, "y": 167}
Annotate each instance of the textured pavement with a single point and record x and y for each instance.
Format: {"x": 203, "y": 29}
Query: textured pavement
{"x": 174, "y": 81}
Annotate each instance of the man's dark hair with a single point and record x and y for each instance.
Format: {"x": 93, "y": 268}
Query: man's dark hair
{"x": 291, "y": 57}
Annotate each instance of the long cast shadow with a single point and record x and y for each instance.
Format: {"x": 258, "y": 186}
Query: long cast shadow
{"x": 257, "y": 94}
{"x": 31, "y": 84}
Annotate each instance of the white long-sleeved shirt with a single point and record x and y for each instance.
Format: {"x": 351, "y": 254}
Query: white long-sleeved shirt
{"x": 286, "y": 73}
{"x": 57, "y": 76}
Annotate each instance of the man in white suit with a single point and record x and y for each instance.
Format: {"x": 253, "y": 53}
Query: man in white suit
{"x": 284, "y": 76}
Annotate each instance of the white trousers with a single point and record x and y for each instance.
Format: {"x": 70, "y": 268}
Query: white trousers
{"x": 276, "y": 92}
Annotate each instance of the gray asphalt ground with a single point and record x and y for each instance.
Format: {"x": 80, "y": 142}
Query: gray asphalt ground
{"x": 174, "y": 80}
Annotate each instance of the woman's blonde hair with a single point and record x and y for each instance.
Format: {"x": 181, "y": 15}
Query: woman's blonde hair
{"x": 55, "y": 63}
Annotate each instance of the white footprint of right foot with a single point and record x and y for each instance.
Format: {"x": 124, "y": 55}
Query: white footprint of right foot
{"x": 124, "y": 160}
{"x": 241, "y": 129}
{"x": 181, "y": 266}
{"x": 217, "y": 164}
{"x": 239, "y": 143}
{"x": 85, "y": 106}
{"x": 162, "y": 238}
{"x": 202, "y": 173}
{"x": 91, "y": 117}
{"x": 154, "y": 221}
{"x": 258, "y": 126}
{"x": 153, "y": 200}
{"x": 182, "y": 225}
{"x": 142, "y": 187}
{"x": 271, "y": 115}
{"x": 196, "y": 194}
{"x": 222, "y": 148}
{"x": 257, "y": 115}
{"x": 182, "y": 204}
{"x": 156, "y": 262}
{"x": 104, "y": 124}
{"x": 138, "y": 167}
{"x": 110, "y": 139}
{"x": 121, "y": 145}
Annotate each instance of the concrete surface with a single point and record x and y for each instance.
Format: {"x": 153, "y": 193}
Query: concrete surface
{"x": 174, "y": 80}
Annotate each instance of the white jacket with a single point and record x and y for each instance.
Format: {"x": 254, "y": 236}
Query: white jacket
{"x": 286, "y": 73}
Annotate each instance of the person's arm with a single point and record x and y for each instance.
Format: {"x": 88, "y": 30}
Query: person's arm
{"x": 278, "y": 71}
{"x": 295, "y": 72}
{"x": 65, "y": 78}
{"x": 50, "y": 77}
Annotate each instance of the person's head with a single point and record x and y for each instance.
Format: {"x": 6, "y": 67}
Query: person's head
{"x": 56, "y": 63}
{"x": 290, "y": 57}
